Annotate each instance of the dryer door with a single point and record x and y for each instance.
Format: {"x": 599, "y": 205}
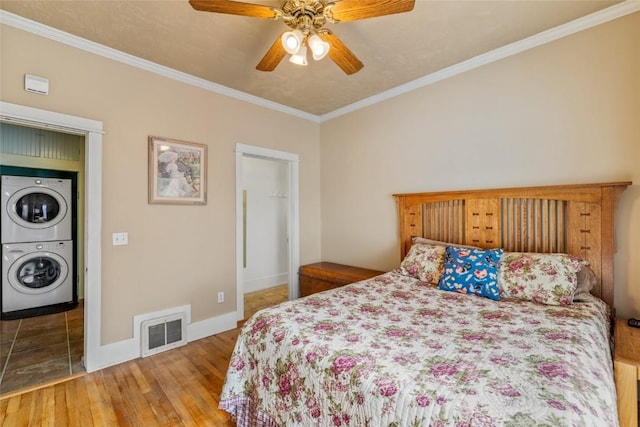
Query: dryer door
{"x": 36, "y": 207}
{"x": 37, "y": 272}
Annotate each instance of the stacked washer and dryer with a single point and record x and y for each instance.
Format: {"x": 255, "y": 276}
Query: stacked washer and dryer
{"x": 38, "y": 243}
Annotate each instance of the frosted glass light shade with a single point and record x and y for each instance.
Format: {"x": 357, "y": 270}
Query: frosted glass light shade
{"x": 292, "y": 40}
{"x": 319, "y": 48}
{"x": 300, "y": 58}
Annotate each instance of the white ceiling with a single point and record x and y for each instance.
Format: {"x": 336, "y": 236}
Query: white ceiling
{"x": 224, "y": 49}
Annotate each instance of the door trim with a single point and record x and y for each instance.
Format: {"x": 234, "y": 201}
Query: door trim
{"x": 94, "y": 353}
{"x": 293, "y": 222}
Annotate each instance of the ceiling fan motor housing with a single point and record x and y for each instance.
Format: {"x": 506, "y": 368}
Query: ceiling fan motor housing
{"x": 305, "y": 15}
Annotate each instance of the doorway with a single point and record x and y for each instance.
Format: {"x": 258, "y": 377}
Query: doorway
{"x": 266, "y": 270}
{"x": 95, "y": 355}
{"x": 41, "y": 327}
{"x": 280, "y": 197}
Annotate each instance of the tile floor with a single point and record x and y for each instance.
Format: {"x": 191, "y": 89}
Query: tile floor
{"x": 254, "y": 301}
{"x": 40, "y": 349}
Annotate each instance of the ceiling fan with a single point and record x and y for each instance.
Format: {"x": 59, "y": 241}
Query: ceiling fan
{"x": 307, "y": 19}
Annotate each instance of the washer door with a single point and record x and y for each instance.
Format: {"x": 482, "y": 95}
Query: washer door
{"x": 36, "y": 207}
{"x": 37, "y": 272}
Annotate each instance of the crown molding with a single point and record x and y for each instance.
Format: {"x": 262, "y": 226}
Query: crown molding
{"x": 54, "y": 34}
{"x": 617, "y": 11}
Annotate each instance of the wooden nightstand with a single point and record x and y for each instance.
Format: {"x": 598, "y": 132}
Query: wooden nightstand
{"x": 323, "y": 276}
{"x": 627, "y": 371}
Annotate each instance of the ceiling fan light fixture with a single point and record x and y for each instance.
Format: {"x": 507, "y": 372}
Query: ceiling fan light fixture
{"x": 300, "y": 58}
{"x": 319, "y": 48}
{"x": 307, "y": 18}
{"x": 292, "y": 41}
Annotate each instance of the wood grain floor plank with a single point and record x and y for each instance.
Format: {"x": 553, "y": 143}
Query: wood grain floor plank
{"x": 29, "y": 408}
{"x": 60, "y": 407}
{"x": 9, "y": 409}
{"x": 147, "y": 411}
{"x": 120, "y": 404}
{"x": 72, "y": 405}
{"x": 173, "y": 392}
{"x": 202, "y": 395}
{"x": 49, "y": 407}
{"x": 102, "y": 412}
{"x": 156, "y": 399}
{"x": 143, "y": 386}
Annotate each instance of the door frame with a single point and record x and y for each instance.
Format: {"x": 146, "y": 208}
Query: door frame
{"x": 293, "y": 220}
{"x": 95, "y": 355}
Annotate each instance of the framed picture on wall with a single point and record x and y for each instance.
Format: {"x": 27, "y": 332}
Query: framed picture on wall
{"x": 177, "y": 172}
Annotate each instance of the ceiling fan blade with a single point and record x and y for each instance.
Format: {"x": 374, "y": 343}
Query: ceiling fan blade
{"x": 340, "y": 53}
{"x": 351, "y": 10}
{"x": 272, "y": 58}
{"x": 234, "y": 8}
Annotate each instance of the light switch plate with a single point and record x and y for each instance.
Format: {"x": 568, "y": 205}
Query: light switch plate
{"x": 120, "y": 239}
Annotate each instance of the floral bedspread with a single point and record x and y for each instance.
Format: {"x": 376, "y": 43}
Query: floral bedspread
{"x": 393, "y": 351}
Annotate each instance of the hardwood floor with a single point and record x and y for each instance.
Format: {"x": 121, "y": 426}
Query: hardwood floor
{"x": 255, "y": 301}
{"x": 179, "y": 387}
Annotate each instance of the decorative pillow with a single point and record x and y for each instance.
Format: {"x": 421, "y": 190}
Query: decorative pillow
{"x": 424, "y": 262}
{"x": 472, "y": 271}
{"x": 586, "y": 281}
{"x": 544, "y": 278}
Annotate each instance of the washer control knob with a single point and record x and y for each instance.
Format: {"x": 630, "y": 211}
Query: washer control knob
{"x": 39, "y": 181}
{"x": 39, "y": 246}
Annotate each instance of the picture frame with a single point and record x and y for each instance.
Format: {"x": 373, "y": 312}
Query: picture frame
{"x": 177, "y": 172}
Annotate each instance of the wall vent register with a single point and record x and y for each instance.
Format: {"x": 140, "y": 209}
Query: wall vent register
{"x": 163, "y": 334}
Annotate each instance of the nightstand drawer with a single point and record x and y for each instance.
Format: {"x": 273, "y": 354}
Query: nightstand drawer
{"x": 323, "y": 276}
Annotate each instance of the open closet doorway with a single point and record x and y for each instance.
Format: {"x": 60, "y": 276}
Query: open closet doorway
{"x": 267, "y": 254}
{"x": 42, "y": 299}
{"x": 95, "y": 355}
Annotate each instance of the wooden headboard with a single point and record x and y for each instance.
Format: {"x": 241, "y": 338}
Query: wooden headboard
{"x": 574, "y": 219}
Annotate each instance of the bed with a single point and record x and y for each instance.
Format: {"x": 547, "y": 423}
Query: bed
{"x": 464, "y": 333}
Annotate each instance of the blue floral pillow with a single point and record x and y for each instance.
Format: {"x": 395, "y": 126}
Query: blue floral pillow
{"x": 471, "y": 271}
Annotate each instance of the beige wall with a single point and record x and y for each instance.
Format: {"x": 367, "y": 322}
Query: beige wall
{"x": 566, "y": 112}
{"x": 176, "y": 254}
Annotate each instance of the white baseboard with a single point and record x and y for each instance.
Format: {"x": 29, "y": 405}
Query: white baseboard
{"x": 129, "y": 349}
{"x": 211, "y": 326}
{"x": 265, "y": 282}
{"x": 115, "y": 353}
